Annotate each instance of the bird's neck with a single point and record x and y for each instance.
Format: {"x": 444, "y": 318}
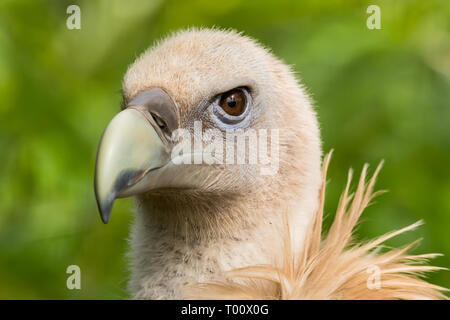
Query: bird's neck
{"x": 174, "y": 243}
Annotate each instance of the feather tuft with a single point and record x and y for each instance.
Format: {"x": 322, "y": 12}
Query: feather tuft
{"x": 333, "y": 267}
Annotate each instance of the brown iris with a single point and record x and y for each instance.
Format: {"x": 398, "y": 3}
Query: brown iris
{"x": 233, "y": 102}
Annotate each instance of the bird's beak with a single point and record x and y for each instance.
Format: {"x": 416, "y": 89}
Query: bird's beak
{"x": 134, "y": 143}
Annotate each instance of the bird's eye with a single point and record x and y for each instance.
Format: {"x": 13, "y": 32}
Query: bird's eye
{"x": 233, "y": 102}
{"x": 232, "y": 109}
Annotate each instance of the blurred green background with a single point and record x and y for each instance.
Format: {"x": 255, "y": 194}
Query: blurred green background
{"x": 380, "y": 94}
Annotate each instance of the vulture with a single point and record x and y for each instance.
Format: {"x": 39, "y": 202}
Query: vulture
{"x": 241, "y": 219}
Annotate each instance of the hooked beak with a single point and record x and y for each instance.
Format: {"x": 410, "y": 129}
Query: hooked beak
{"x": 135, "y": 143}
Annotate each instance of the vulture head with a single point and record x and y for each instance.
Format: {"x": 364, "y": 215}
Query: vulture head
{"x": 217, "y": 141}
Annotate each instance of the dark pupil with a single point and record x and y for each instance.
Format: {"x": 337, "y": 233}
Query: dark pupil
{"x": 231, "y": 102}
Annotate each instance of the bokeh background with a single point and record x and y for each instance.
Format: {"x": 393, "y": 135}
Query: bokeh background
{"x": 380, "y": 94}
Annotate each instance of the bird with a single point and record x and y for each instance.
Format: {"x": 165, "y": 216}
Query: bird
{"x": 197, "y": 217}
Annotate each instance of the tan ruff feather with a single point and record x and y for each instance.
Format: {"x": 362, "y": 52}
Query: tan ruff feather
{"x": 332, "y": 267}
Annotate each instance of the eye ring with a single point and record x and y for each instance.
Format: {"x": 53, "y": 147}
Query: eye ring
{"x": 229, "y": 115}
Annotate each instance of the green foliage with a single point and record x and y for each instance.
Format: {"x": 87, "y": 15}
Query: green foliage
{"x": 380, "y": 94}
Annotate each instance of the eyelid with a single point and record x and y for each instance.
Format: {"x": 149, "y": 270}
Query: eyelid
{"x": 245, "y": 89}
{"x": 217, "y": 96}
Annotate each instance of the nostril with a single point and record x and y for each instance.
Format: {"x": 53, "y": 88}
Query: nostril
{"x": 160, "y": 122}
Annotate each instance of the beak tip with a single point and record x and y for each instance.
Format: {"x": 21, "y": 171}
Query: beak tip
{"x": 105, "y": 211}
{"x": 105, "y": 218}
{"x": 105, "y": 208}
{"x": 105, "y": 203}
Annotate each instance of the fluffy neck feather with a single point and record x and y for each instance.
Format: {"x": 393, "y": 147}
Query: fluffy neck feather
{"x": 178, "y": 240}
